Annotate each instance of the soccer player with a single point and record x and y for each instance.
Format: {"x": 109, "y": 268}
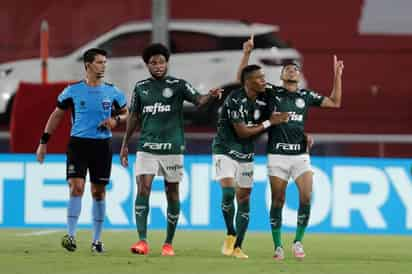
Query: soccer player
{"x": 288, "y": 147}
{"x": 157, "y": 103}
{"x": 240, "y": 120}
{"x": 90, "y": 148}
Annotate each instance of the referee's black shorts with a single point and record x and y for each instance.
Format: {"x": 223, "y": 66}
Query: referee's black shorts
{"x": 94, "y": 155}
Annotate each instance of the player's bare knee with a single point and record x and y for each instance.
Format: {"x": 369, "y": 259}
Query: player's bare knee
{"x": 278, "y": 199}
{"x": 305, "y": 200}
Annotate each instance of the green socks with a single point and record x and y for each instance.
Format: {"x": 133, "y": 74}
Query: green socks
{"x": 141, "y": 211}
{"x": 242, "y": 222}
{"x": 173, "y": 210}
{"x": 276, "y": 224}
{"x": 228, "y": 208}
{"x": 303, "y": 220}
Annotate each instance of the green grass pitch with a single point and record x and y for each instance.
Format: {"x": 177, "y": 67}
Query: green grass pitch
{"x": 199, "y": 252}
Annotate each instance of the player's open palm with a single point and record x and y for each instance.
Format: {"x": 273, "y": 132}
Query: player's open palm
{"x": 41, "y": 153}
{"x": 216, "y": 92}
{"x": 124, "y": 159}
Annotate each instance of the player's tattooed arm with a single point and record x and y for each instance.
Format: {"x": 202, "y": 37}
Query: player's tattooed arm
{"x": 244, "y": 131}
{"x": 215, "y": 93}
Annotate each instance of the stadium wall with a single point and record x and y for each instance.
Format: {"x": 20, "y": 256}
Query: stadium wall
{"x": 351, "y": 195}
{"x": 376, "y": 78}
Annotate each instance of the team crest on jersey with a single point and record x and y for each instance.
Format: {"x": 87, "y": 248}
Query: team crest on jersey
{"x": 106, "y": 104}
{"x": 256, "y": 114}
{"x": 300, "y": 103}
{"x": 167, "y": 93}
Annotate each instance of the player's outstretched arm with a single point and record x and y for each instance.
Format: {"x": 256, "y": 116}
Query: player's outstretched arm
{"x": 215, "y": 93}
{"x": 247, "y": 50}
{"x": 244, "y": 131}
{"x": 335, "y": 98}
{"x": 131, "y": 125}
{"x": 51, "y": 125}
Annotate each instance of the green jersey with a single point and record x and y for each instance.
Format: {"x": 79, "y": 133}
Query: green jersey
{"x": 238, "y": 108}
{"x": 159, "y": 104}
{"x": 289, "y": 138}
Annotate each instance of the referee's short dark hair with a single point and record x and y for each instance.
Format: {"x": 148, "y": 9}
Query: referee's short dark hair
{"x": 88, "y": 56}
{"x": 155, "y": 49}
{"x": 246, "y": 71}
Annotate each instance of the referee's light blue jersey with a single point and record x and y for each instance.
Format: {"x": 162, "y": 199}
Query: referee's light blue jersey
{"x": 90, "y": 106}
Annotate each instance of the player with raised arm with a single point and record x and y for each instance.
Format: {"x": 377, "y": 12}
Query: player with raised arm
{"x": 287, "y": 149}
{"x": 241, "y": 119}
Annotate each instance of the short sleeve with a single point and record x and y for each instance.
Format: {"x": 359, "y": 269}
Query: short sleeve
{"x": 314, "y": 99}
{"x": 135, "y": 100}
{"x": 119, "y": 99}
{"x": 65, "y": 99}
{"x": 189, "y": 92}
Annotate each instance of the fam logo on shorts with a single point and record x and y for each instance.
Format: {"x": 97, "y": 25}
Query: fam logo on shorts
{"x": 106, "y": 104}
{"x": 300, "y": 103}
{"x": 167, "y": 93}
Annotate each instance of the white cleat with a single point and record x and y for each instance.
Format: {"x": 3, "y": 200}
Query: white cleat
{"x": 297, "y": 250}
{"x": 279, "y": 254}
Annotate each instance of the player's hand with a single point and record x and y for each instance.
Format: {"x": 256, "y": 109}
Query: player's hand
{"x": 216, "y": 92}
{"x": 41, "y": 153}
{"x": 309, "y": 141}
{"x": 109, "y": 123}
{"x": 248, "y": 45}
{"x": 337, "y": 66}
{"x": 124, "y": 152}
{"x": 278, "y": 118}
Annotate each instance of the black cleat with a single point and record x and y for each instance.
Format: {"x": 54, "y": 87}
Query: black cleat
{"x": 97, "y": 247}
{"x": 69, "y": 243}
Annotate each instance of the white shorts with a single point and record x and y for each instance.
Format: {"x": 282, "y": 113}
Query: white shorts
{"x": 169, "y": 166}
{"x": 288, "y": 166}
{"x": 226, "y": 167}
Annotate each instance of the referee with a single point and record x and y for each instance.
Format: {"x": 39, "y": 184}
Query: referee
{"x": 97, "y": 107}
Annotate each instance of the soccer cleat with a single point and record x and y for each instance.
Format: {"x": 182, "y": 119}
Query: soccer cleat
{"x": 167, "y": 250}
{"x": 141, "y": 248}
{"x": 97, "y": 247}
{"x": 238, "y": 253}
{"x": 69, "y": 243}
{"x": 297, "y": 250}
{"x": 228, "y": 244}
{"x": 279, "y": 254}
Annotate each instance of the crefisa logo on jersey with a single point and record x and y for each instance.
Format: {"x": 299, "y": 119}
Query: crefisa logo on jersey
{"x": 167, "y": 93}
{"x": 106, "y": 104}
{"x": 300, "y": 103}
